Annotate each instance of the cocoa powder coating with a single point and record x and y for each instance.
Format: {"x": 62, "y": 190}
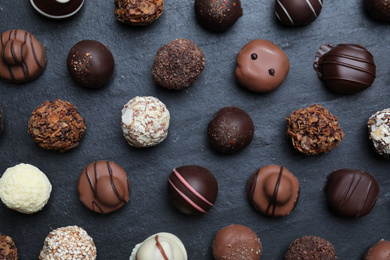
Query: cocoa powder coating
{"x": 311, "y": 248}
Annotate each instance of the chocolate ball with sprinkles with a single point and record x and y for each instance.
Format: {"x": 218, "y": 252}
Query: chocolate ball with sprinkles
{"x": 297, "y": 12}
{"x": 192, "y": 189}
{"x": 378, "y": 9}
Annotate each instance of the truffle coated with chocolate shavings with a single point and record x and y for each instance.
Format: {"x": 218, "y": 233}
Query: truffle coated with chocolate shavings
{"x": 379, "y": 132}
{"x": 8, "y": 250}
{"x": 309, "y": 248}
{"x": 138, "y": 12}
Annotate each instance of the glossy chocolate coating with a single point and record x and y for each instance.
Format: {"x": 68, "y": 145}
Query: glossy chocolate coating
{"x": 218, "y": 15}
{"x": 192, "y": 189}
{"x": 310, "y": 248}
{"x": 346, "y": 68}
{"x": 378, "y": 9}
{"x": 351, "y": 193}
{"x": 90, "y": 63}
{"x": 380, "y": 251}
{"x": 236, "y": 242}
{"x": 103, "y": 187}
{"x": 273, "y": 191}
{"x": 261, "y": 66}
{"x": 23, "y": 57}
{"x": 57, "y": 9}
{"x": 297, "y": 12}
{"x": 230, "y": 130}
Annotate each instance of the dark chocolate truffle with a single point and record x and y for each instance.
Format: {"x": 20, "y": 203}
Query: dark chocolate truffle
{"x": 351, "y": 193}
{"x": 23, "y": 57}
{"x": 378, "y": 9}
{"x": 178, "y": 64}
{"x": 380, "y": 251}
{"x": 346, "y": 68}
{"x": 103, "y": 187}
{"x": 90, "y": 63}
{"x": 236, "y": 242}
{"x": 57, "y": 9}
{"x": 273, "y": 191}
{"x": 261, "y": 66}
{"x": 314, "y": 130}
{"x": 379, "y": 132}
{"x": 56, "y": 125}
{"x": 192, "y": 189}
{"x": 138, "y": 12}
{"x": 230, "y": 130}
{"x": 8, "y": 250}
{"x": 297, "y": 12}
{"x": 218, "y": 15}
{"x": 309, "y": 248}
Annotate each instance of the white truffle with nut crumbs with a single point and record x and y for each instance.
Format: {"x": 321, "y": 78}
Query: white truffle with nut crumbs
{"x": 379, "y": 132}
{"x": 71, "y": 242}
{"x": 145, "y": 121}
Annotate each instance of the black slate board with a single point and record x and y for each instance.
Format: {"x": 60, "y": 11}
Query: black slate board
{"x": 149, "y": 210}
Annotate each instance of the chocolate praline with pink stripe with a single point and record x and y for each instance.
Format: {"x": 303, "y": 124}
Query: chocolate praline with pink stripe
{"x": 192, "y": 189}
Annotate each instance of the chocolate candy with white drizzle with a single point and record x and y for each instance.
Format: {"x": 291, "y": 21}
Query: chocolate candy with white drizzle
{"x": 297, "y": 12}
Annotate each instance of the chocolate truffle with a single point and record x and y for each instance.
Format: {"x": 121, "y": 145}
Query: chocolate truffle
{"x": 192, "y": 189}
{"x": 158, "y": 247}
{"x": 297, "y": 12}
{"x": 380, "y": 251}
{"x": 145, "y": 121}
{"x": 351, "y": 193}
{"x": 218, "y": 15}
{"x": 309, "y": 248}
{"x": 23, "y": 57}
{"x": 346, "y": 68}
{"x": 57, "y": 9}
{"x": 103, "y": 187}
{"x": 1, "y": 121}
{"x": 56, "y": 125}
{"x": 236, "y": 242}
{"x": 314, "y": 130}
{"x": 90, "y": 63}
{"x": 178, "y": 64}
{"x": 70, "y": 242}
{"x": 379, "y": 132}
{"x": 261, "y": 66}
{"x": 378, "y": 9}
{"x": 8, "y": 250}
{"x": 138, "y": 12}
{"x": 230, "y": 130}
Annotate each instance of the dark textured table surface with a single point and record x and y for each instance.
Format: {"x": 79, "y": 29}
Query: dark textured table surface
{"x": 149, "y": 210}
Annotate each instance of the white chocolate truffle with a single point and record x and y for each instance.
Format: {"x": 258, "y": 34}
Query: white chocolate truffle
{"x": 379, "y": 132}
{"x": 145, "y": 121}
{"x": 24, "y": 188}
{"x": 160, "y": 246}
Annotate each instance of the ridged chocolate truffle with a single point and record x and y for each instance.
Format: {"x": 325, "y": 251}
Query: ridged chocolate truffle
{"x": 379, "y": 132}
{"x": 310, "y": 248}
{"x": 273, "y": 191}
{"x": 192, "y": 189}
{"x": 57, "y": 9}
{"x": 230, "y": 130}
{"x": 378, "y": 9}
{"x": 380, "y": 251}
{"x": 138, "y": 12}
{"x": 351, "y": 193}
{"x": 23, "y": 57}
{"x": 297, "y": 12}
{"x": 236, "y": 242}
{"x": 8, "y": 250}
{"x": 346, "y": 68}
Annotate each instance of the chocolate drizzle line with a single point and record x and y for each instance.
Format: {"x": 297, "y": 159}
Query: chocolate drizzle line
{"x": 273, "y": 200}
{"x": 112, "y": 182}
{"x": 159, "y": 246}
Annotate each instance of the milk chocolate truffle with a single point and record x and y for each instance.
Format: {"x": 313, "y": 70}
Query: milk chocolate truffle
{"x": 23, "y": 57}
{"x": 351, "y": 193}
{"x": 145, "y": 121}
{"x": 378, "y": 9}
{"x": 314, "y": 130}
{"x": 8, "y": 250}
{"x": 273, "y": 191}
{"x": 309, "y": 248}
{"x": 103, "y": 186}
{"x": 297, "y": 12}
{"x": 90, "y": 63}
{"x": 380, "y": 251}
{"x": 236, "y": 242}
{"x": 56, "y": 125}
{"x": 261, "y": 66}
{"x": 57, "y": 9}
{"x": 379, "y": 132}
{"x": 178, "y": 64}
{"x": 346, "y": 68}
{"x": 230, "y": 130}
{"x": 192, "y": 189}
{"x": 218, "y": 15}
{"x": 138, "y": 12}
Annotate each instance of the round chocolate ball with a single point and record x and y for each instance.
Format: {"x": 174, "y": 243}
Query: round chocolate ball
{"x": 297, "y": 12}
{"x": 139, "y": 12}
{"x": 218, "y": 15}
{"x": 8, "y": 249}
{"x": 378, "y": 9}
{"x": 230, "y": 130}
{"x": 90, "y": 63}
{"x": 309, "y": 248}
{"x": 192, "y": 189}
{"x": 57, "y": 9}
{"x": 380, "y": 251}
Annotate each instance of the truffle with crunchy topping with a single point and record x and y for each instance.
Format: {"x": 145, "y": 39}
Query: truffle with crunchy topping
{"x": 379, "y": 132}
{"x": 8, "y": 250}
{"x": 138, "y": 12}
{"x": 310, "y": 247}
{"x": 70, "y": 242}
